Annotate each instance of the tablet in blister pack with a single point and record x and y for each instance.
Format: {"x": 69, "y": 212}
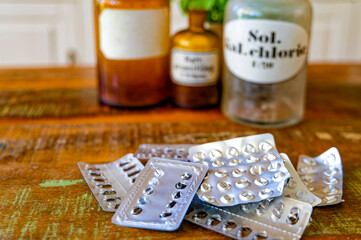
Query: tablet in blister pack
{"x": 241, "y": 170}
{"x": 168, "y": 151}
{"x": 280, "y": 218}
{"x": 323, "y": 176}
{"x": 161, "y": 195}
{"x": 110, "y": 182}
{"x": 295, "y": 188}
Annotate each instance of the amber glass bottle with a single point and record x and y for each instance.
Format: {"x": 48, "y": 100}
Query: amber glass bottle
{"x": 132, "y": 43}
{"x": 195, "y": 60}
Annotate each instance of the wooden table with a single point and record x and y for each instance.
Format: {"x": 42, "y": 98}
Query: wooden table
{"x": 51, "y": 119}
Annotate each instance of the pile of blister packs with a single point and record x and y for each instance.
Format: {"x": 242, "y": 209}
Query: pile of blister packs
{"x": 243, "y": 187}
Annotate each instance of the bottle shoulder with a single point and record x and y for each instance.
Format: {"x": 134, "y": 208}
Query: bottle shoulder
{"x": 191, "y": 40}
{"x": 294, "y": 11}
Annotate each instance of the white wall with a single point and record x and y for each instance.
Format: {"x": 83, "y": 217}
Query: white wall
{"x": 54, "y": 32}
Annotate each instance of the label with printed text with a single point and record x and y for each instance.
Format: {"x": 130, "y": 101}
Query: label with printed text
{"x": 264, "y": 51}
{"x": 190, "y": 68}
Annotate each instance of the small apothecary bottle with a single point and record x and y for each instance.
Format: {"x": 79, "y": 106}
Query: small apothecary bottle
{"x": 195, "y": 64}
{"x": 265, "y": 52}
{"x": 132, "y": 42}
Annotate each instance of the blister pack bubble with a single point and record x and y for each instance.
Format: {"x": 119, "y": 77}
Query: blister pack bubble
{"x": 168, "y": 151}
{"x": 161, "y": 195}
{"x": 323, "y": 176}
{"x": 110, "y": 182}
{"x": 278, "y": 218}
{"x": 295, "y": 188}
{"x": 241, "y": 170}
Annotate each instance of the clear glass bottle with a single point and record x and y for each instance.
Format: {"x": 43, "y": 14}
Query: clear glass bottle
{"x": 195, "y": 64}
{"x": 132, "y": 43}
{"x": 265, "y": 52}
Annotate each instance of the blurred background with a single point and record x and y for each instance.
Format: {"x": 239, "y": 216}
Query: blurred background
{"x": 40, "y": 33}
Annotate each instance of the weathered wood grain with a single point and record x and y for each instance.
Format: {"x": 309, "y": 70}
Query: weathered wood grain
{"x": 44, "y": 196}
{"x": 334, "y": 92}
{"x": 46, "y": 127}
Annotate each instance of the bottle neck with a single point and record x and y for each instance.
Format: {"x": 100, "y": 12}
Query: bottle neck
{"x": 197, "y": 19}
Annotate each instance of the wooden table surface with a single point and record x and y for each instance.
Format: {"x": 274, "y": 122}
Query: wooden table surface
{"x": 51, "y": 119}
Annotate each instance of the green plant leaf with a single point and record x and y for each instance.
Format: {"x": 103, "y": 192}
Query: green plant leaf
{"x": 214, "y": 7}
{"x": 197, "y": 4}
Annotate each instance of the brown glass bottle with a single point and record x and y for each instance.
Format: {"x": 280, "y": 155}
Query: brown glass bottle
{"x": 132, "y": 43}
{"x": 195, "y": 60}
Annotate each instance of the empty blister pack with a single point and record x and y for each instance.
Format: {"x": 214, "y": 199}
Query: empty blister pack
{"x": 241, "y": 170}
{"x": 278, "y": 218}
{"x": 168, "y": 151}
{"x": 161, "y": 195}
{"x": 323, "y": 176}
{"x": 110, "y": 182}
{"x": 296, "y": 188}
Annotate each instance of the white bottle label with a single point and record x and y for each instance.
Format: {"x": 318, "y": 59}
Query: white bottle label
{"x": 191, "y": 68}
{"x": 264, "y": 51}
{"x": 134, "y": 34}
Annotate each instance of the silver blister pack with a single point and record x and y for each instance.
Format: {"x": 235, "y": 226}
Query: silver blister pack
{"x": 323, "y": 176}
{"x": 168, "y": 151}
{"x": 241, "y": 170}
{"x": 295, "y": 188}
{"x": 110, "y": 182}
{"x": 278, "y": 218}
{"x": 161, "y": 195}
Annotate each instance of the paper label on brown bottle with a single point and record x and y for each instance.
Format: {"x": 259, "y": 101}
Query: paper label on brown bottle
{"x": 190, "y": 68}
{"x": 264, "y": 51}
{"x": 134, "y": 34}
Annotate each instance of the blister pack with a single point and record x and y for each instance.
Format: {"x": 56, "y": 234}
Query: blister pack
{"x": 323, "y": 176}
{"x": 110, "y": 182}
{"x": 241, "y": 170}
{"x": 168, "y": 151}
{"x": 295, "y": 188}
{"x": 280, "y": 218}
{"x": 161, "y": 195}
